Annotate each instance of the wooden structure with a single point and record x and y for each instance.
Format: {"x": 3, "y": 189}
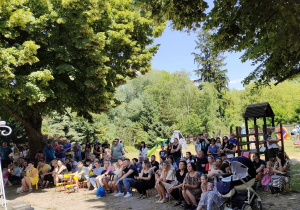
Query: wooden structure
{"x": 256, "y": 111}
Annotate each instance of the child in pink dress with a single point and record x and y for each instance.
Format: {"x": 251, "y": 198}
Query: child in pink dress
{"x": 268, "y": 172}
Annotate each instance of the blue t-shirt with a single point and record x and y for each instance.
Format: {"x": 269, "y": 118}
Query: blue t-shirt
{"x": 5, "y": 152}
{"x": 213, "y": 150}
{"x": 18, "y": 170}
{"x": 139, "y": 167}
{"x": 98, "y": 172}
{"x": 77, "y": 153}
{"x": 68, "y": 147}
{"x": 233, "y": 141}
{"x": 49, "y": 153}
{"x": 61, "y": 155}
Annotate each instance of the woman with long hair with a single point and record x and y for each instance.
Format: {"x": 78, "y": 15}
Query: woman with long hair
{"x": 176, "y": 189}
{"x": 88, "y": 149}
{"x": 146, "y": 180}
{"x": 228, "y": 148}
{"x": 213, "y": 149}
{"x": 209, "y": 165}
{"x": 282, "y": 174}
{"x": 143, "y": 152}
{"x": 190, "y": 187}
{"x": 59, "y": 170}
{"x": 167, "y": 176}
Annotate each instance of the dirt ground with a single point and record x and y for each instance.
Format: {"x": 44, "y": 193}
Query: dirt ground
{"x": 49, "y": 199}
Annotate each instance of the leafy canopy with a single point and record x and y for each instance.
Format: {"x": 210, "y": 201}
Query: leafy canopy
{"x": 68, "y": 53}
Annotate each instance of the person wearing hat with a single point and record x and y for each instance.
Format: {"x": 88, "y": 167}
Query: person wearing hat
{"x": 116, "y": 151}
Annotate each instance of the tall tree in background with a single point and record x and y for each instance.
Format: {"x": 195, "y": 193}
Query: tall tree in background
{"x": 267, "y": 31}
{"x": 210, "y": 64}
{"x": 57, "y": 54}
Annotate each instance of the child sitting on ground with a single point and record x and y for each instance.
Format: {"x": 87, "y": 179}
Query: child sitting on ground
{"x": 5, "y": 176}
{"x": 268, "y": 172}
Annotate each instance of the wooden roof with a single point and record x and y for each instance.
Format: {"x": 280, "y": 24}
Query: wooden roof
{"x": 259, "y": 110}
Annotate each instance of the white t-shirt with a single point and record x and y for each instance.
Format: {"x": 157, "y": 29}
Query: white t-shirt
{"x": 198, "y": 145}
{"x": 144, "y": 152}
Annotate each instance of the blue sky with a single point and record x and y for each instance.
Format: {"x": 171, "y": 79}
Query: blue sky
{"x": 175, "y": 54}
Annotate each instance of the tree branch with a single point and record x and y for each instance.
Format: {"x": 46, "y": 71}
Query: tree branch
{"x": 17, "y": 116}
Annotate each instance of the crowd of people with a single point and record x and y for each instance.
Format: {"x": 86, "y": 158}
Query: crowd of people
{"x": 188, "y": 178}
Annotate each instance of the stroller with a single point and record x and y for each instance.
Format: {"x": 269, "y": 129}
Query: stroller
{"x": 236, "y": 187}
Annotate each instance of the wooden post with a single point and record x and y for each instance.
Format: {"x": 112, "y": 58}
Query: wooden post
{"x": 238, "y": 140}
{"x": 265, "y": 124}
{"x": 256, "y": 139}
{"x": 230, "y": 130}
{"x": 247, "y": 132}
{"x": 281, "y": 136}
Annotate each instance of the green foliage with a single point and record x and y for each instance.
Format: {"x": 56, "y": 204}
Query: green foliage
{"x": 73, "y": 54}
{"x": 210, "y": 64}
{"x": 267, "y": 32}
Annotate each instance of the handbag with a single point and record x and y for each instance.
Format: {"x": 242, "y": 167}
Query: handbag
{"x": 224, "y": 187}
{"x": 229, "y": 156}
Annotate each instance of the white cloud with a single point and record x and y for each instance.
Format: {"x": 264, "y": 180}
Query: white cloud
{"x": 235, "y": 81}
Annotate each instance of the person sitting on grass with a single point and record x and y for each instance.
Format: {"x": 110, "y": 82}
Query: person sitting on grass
{"x": 175, "y": 189}
{"x": 190, "y": 187}
{"x": 59, "y": 170}
{"x": 31, "y": 178}
{"x": 126, "y": 178}
{"x": 167, "y": 176}
{"x": 146, "y": 180}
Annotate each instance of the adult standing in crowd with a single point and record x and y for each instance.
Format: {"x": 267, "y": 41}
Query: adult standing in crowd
{"x": 105, "y": 145}
{"x": 56, "y": 146}
{"x": 213, "y": 149}
{"x": 143, "y": 152}
{"x": 25, "y": 152}
{"x": 176, "y": 151}
{"x": 198, "y": 143}
{"x": 68, "y": 148}
{"x": 205, "y": 142}
{"x": 49, "y": 153}
{"x": 233, "y": 140}
{"x": 97, "y": 150}
{"x": 5, "y": 151}
{"x": 77, "y": 151}
{"x": 272, "y": 145}
{"x": 87, "y": 149}
{"x": 116, "y": 151}
{"x": 228, "y": 148}
{"x": 259, "y": 165}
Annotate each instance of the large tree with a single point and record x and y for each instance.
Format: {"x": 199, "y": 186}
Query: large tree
{"x": 266, "y": 31}
{"x": 210, "y": 64}
{"x": 56, "y": 54}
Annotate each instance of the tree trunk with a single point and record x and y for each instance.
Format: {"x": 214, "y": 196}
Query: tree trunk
{"x": 32, "y": 123}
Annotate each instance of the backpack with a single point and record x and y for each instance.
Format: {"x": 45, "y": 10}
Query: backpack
{"x": 100, "y": 192}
